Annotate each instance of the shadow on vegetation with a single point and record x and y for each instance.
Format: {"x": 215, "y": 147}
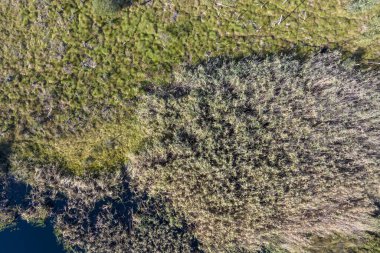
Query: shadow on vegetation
{"x": 16, "y": 193}
{"x": 13, "y": 192}
{"x": 58, "y": 203}
{"x": 126, "y": 3}
{"x": 358, "y": 54}
{"x": 122, "y": 209}
{"x": 5, "y": 151}
{"x": 377, "y": 211}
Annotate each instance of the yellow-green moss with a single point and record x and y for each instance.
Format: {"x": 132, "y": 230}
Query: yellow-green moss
{"x": 100, "y": 148}
{"x": 104, "y": 147}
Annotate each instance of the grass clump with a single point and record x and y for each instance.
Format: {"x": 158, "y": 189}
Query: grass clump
{"x": 265, "y": 151}
{"x": 107, "y": 7}
{"x": 362, "y": 5}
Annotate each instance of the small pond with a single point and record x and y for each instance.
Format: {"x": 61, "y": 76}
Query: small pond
{"x": 26, "y": 238}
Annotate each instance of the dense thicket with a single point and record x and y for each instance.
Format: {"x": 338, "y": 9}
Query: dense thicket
{"x": 265, "y": 151}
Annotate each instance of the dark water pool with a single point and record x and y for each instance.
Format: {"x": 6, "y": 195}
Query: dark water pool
{"x": 25, "y": 238}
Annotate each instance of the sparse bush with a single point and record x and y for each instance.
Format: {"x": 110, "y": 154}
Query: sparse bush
{"x": 256, "y": 152}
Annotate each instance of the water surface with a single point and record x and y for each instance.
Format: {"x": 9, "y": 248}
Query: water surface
{"x": 26, "y": 238}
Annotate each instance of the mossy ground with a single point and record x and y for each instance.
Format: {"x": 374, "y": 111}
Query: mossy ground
{"x": 66, "y": 73}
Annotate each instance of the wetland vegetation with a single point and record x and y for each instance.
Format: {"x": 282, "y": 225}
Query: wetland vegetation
{"x": 192, "y": 126}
